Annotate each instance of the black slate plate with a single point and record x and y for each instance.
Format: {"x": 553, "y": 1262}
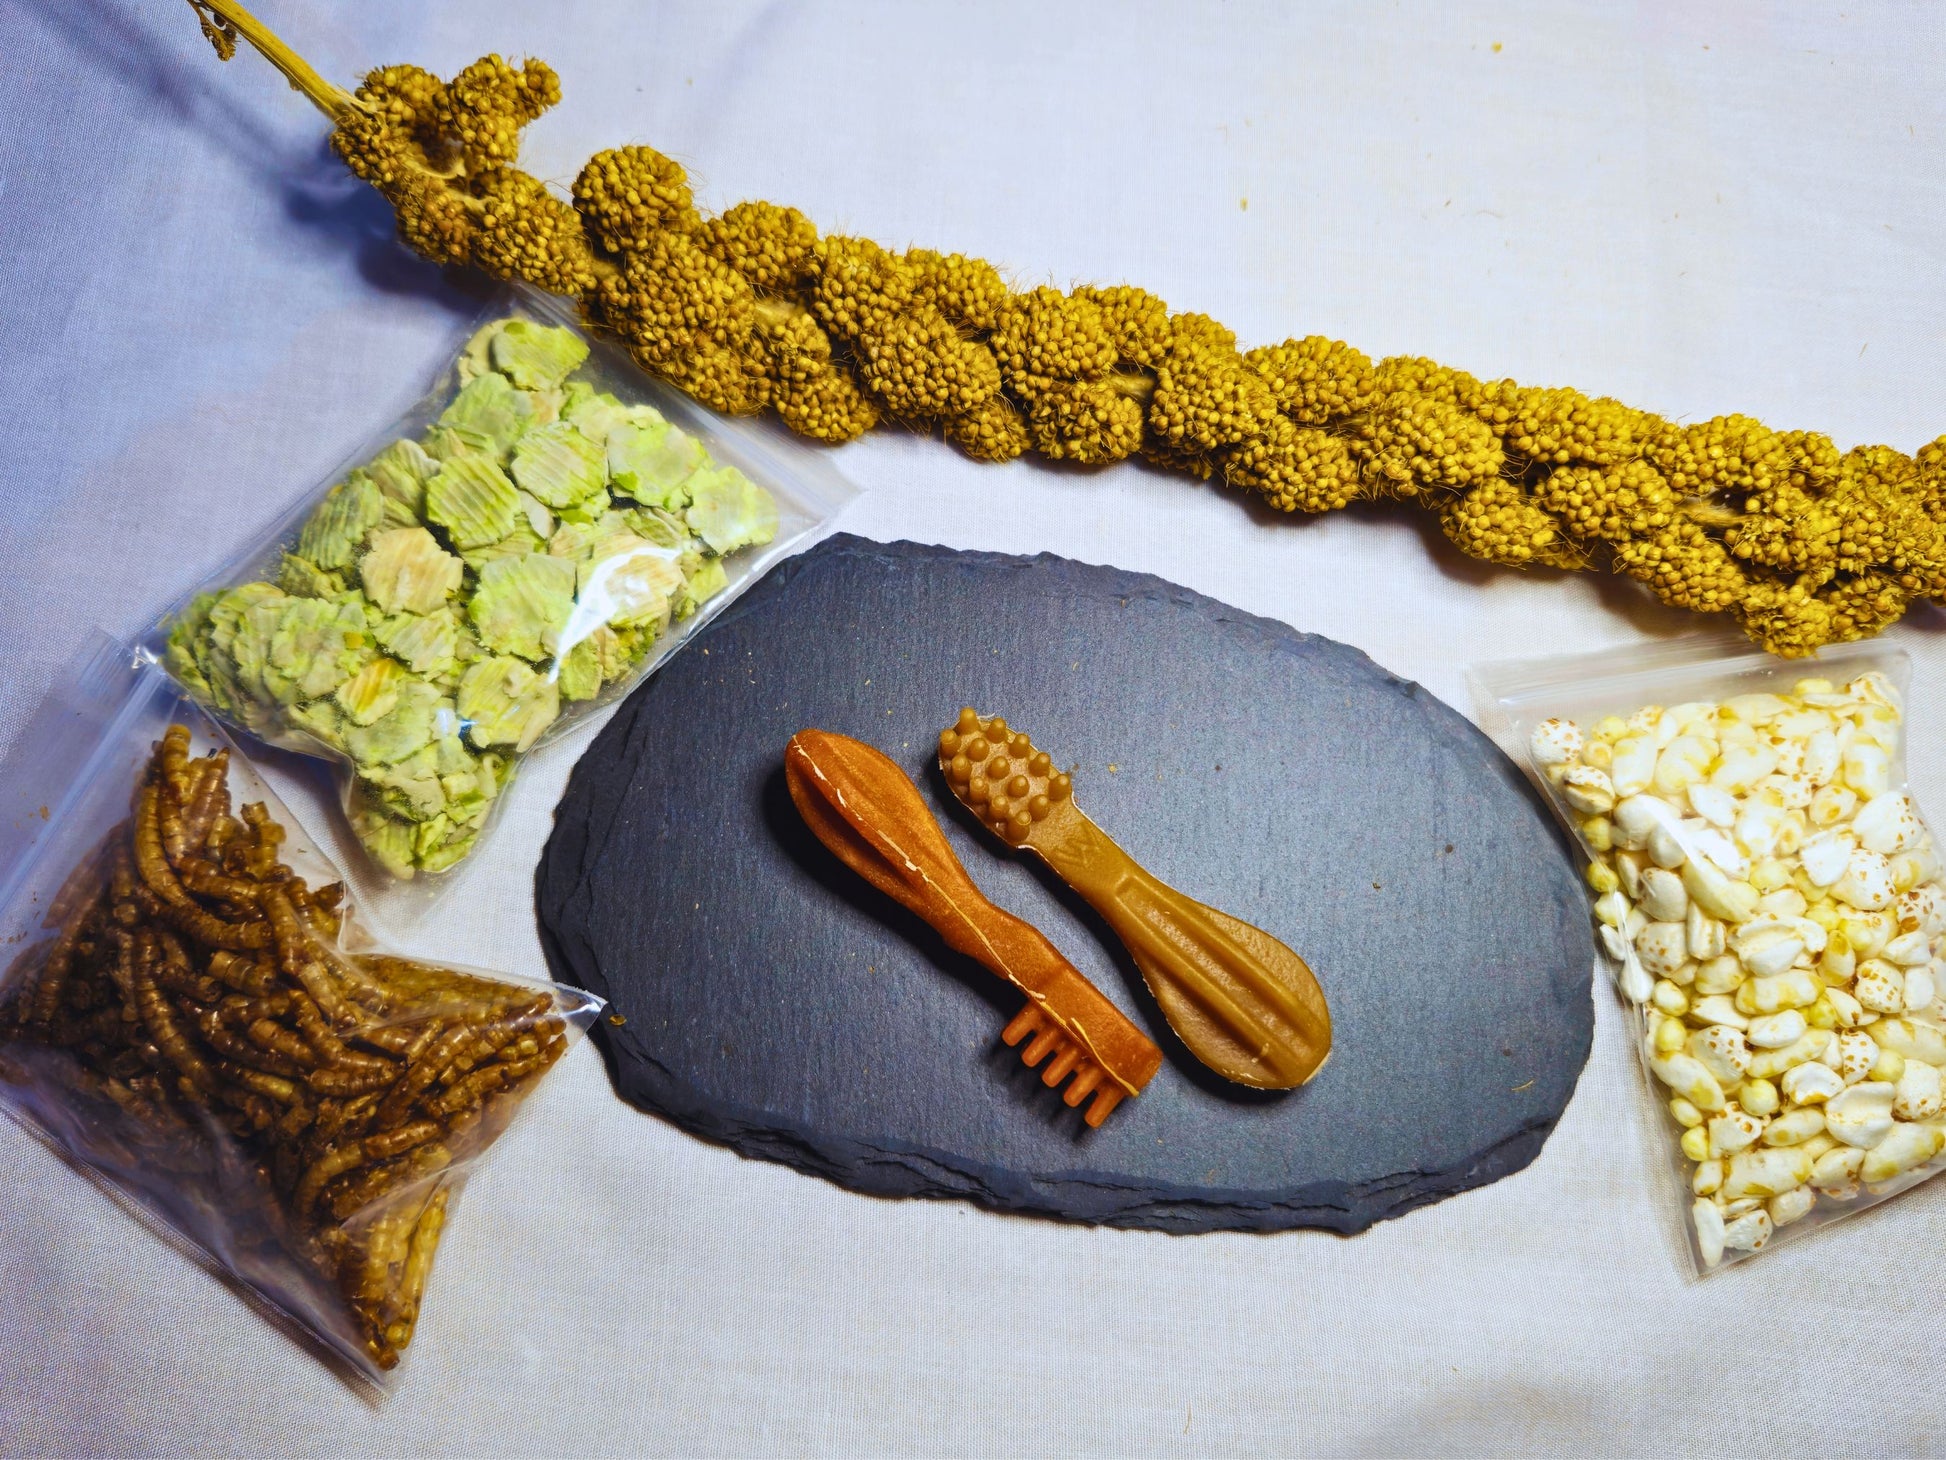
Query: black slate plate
{"x": 772, "y": 1001}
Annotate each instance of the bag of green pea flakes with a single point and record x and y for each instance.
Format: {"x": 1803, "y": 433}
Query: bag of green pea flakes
{"x": 523, "y": 547}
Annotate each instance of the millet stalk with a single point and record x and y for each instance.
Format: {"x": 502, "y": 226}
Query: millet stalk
{"x": 753, "y": 310}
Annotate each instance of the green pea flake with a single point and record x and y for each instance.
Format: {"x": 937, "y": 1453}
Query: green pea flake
{"x": 629, "y": 582}
{"x": 473, "y": 500}
{"x": 302, "y": 578}
{"x": 594, "y": 413}
{"x": 401, "y": 471}
{"x": 420, "y": 715}
{"x": 579, "y": 671}
{"x": 729, "y": 511}
{"x": 559, "y": 465}
{"x": 536, "y": 356}
{"x": 406, "y": 571}
{"x": 504, "y": 702}
{"x": 650, "y": 461}
{"x": 337, "y": 525}
{"x": 523, "y": 603}
{"x": 489, "y": 414}
{"x": 316, "y": 645}
{"x": 372, "y": 692}
{"x": 703, "y": 579}
{"x": 424, "y": 644}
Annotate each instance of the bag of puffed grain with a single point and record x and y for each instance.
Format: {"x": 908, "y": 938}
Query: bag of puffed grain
{"x": 1771, "y": 905}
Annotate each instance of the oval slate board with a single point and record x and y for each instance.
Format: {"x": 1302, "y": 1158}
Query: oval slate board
{"x": 775, "y": 1003}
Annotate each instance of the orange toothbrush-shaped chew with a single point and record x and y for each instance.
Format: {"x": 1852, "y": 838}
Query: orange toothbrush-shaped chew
{"x": 1243, "y": 1003}
{"x": 865, "y": 809}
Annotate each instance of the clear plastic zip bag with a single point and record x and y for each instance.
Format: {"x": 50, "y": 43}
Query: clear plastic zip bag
{"x": 540, "y": 532}
{"x": 193, "y": 1017}
{"x": 1771, "y": 906}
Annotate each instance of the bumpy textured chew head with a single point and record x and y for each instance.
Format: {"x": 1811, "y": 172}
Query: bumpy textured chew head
{"x": 999, "y": 775}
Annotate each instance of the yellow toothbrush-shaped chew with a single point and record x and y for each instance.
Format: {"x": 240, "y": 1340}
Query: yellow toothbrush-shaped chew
{"x": 1242, "y": 1002}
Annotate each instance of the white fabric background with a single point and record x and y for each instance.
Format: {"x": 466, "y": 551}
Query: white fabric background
{"x": 1697, "y": 208}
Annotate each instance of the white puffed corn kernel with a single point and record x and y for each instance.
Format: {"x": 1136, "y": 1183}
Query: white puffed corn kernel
{"x": 1888, "y": 823}
{"x": 1687, "y": 1116}
{"x": 1599, "y": 833}
{"x": 1706, "y": 936}
{"x": 1908, "y": 950}
{"x": 1599, "y": 754}
{"x": 1831, "y": 805}
{"x": 1797, "y": 1125}
{"x": 1638, "y": 815}
{"x": 1768, "y": 1064}
{"x": 1783, "y": 789}
{"x": 1811, "y": 1084}
{"x": 1683, "y": 762}
{"x": 1668, "y": 998}
{"x": 1765, "y": 1172}
{"x": 1880, "y": 987}
{"x": 1632, "y": 978}
{"x": 1701, "y": 839}
{"x": 1667, "y": 848}
{"x": 1849, "y": 1011}
{"x": 1917, "y": 1095}
{"x": 1719, "y": 1009}
{"x": 1708, "y": 1222}
{"x": 1770, "y": 873}
{"x": 1722, "y": 1051}
{"x": 1867, "y": 882}
{"x": 1857, "y": 1055}
{"x": 1732, "y": 1131}
{"x": 1668, "y": 1037}
{"x": 1722, "y": 974}
{"x": 1629, "y": 867}
{"x": 1715, "y": 805}
{"x": 1788, "y": 1206}
{"x": 1708, "y": 1177}
{"x": 1922, "y": 909}
{"x": 1912, "y": 1039}
{"x": 1555, "y": 742}
{"x": 1862, "y": 1115}
{"x": 1688, "y": 1078}
{"x": 1612, "y": 907}
{"x": 1742, "y": 766}
{"x": 1919, "y": 989}
{"x": 1759, "y": 1097}
{"x": 1825, "y": 856}
{"x": 1748, "y": 1233}
{"x": 1718, "y": 895}
{"x": 1905, "y": 1147}
{"x": 1868, "y": 933}
{"x": 1867, "y": 769}
{"x": 1663, "y": 897}
{"x": 1755, "y": 709}
{"x": 1795, "y": 988}
{"x": 1634, "y": 765}
{"x": 1767, "y": 947}
{"x": 1588, "y": 790}
{"x": 1776, "y": 1030}
{"x": 1663, "y": 948}
{"x": 1889, "y": 1067}
{"x": 1695, "y": 1145}
{"x": 1837, "y": 1171}
{"x": 1823, "y": 756}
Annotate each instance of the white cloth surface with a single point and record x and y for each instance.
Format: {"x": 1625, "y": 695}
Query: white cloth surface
{"x": 1698, "y": 209}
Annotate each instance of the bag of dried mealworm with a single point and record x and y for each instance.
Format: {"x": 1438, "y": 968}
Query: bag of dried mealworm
{"x": 544, "y": 528}
{"x": 192, "y": 1016}
{"x": 1772, "y": 906}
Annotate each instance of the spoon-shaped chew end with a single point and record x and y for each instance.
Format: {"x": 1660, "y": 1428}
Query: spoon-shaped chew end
{"x": 869, "y": 814}
{"x": 1242, "y": 1002}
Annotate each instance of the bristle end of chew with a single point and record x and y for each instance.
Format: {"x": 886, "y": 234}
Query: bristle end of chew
{"x": 1024, "y": 1023}
{"x": 1069, "y": 1059}
{"x": 1106, "y": 1099}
